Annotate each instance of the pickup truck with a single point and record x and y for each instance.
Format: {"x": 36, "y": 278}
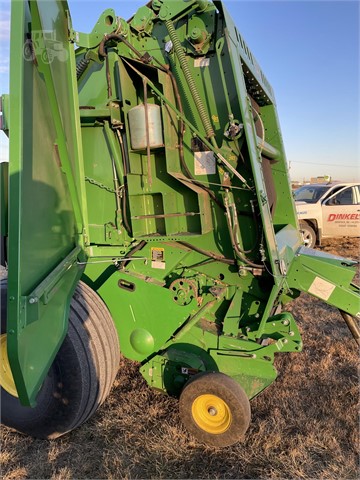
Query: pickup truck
{"x": 328, "y": 210}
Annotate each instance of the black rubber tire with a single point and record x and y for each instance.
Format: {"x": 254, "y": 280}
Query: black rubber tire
{"x": 309, "y": 235}
{"x": 81, "y": 376}
{"x": 231, "y": 393}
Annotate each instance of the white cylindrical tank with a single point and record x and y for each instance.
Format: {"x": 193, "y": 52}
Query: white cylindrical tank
{"x": 138, "y": 127}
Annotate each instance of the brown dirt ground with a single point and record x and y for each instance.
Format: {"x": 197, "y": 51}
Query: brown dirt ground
{"x": 304, "y": 426}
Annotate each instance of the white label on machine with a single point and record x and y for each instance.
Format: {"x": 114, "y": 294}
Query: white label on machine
{"x": 201, "y": 62}
{"x": 205, "y": 163}
{"x": 158, "y": 258}
{"x": 321, "y": 288}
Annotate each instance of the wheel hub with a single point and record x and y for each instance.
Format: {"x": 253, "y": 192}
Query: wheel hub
{"x": 211, "y": 414}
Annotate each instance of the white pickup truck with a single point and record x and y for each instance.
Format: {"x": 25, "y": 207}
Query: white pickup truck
{"x": 328, "y": 210}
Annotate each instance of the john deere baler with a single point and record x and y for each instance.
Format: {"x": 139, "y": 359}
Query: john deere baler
{"x": 147, "y": 210}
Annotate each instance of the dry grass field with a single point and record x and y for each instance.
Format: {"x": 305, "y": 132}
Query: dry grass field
{"x": 304, "y": 426}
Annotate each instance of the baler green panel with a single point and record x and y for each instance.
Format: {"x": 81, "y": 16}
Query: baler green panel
{"x": 4, "y": 197}
{"x": 44, "y": 212}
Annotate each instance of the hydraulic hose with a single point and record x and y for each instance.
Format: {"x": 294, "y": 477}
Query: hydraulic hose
{"x": 190, "y": 81}
{"x": 207, "y": 253}
{"x": 240, "y": 253}
{"x": 132, "y": 252}
{"x": 146, "y": 58}
{"x": 181, "y": 145}
{"x": 125, "y": 189}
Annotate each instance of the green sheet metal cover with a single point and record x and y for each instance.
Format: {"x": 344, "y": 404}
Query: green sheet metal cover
{"x": 45, "y": 218}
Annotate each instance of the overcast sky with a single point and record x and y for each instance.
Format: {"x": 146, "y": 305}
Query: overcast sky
{"x": 308, "y": 50}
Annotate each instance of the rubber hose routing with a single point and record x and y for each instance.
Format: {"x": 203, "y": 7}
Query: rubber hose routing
{"x": 145, "y": 58}
{"x": 207, "y": 253}
{"x": 190, "y": 81}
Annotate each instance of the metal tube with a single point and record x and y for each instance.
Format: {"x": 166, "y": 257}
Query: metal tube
{"x": 353, "y": 326}
{"x": 267, "y": 150}
{"x": 219, "y": 48}
{"x": 192, "y": 321}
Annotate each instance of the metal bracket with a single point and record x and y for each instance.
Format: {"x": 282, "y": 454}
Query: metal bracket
{"x": 46, "y": 289}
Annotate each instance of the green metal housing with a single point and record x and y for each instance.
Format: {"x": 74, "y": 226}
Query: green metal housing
{"x": 193, "y": 244}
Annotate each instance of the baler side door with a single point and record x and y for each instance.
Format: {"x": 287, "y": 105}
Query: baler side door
{"x": 46, "y": 202}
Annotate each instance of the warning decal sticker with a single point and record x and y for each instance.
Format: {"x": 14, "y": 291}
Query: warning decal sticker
{"x": 201, "y": 62}
{"x": 321, "y": 288}
{"x": 204, "y": 163}
{"x": 157, "y": 258}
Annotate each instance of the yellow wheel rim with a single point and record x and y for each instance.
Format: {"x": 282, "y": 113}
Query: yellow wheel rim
{"x": 211, "y": 414}
{"x": 6, "y": 378}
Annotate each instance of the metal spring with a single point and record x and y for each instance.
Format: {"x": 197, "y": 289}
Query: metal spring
{"x": 81, "y": 66}
{"x": 190, "y": 81}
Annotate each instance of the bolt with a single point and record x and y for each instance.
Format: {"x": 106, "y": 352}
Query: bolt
{"x": 212, "y": 411}
{"x": 285, "y": 322}
{"x": 33, "y": 300}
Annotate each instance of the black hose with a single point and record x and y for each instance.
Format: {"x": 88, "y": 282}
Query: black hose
{"x": 125, "y": 189}
{"x": 236, "y": 248}
{"x": 124, "y": 207}
{"x": 206, "y": 253}
{"x": 132, "y": 252}
{"x": 181, "y": 146}
{"x": 146, "y": 58}
{"x": 166, "y": 69}
{"x": 257, "y": 234}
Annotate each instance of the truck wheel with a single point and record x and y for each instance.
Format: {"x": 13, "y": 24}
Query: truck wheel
{"x": 80, "y": 378}
{"x": 215, "y": 409}
{"x": 308, "y": 234}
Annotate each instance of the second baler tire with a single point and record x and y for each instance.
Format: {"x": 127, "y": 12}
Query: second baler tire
{"x": 226, "y": 389}
{"x": 80, "y": 377}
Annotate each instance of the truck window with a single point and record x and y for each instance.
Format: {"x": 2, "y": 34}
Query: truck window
{"x": 345, "y": 197}
{"x": 357, "y": 195}
{"x": 310, "y": 193}
{"x": 331, "y": 192}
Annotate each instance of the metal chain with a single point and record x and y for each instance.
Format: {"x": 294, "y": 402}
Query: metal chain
{"x": 105, "y": 187}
